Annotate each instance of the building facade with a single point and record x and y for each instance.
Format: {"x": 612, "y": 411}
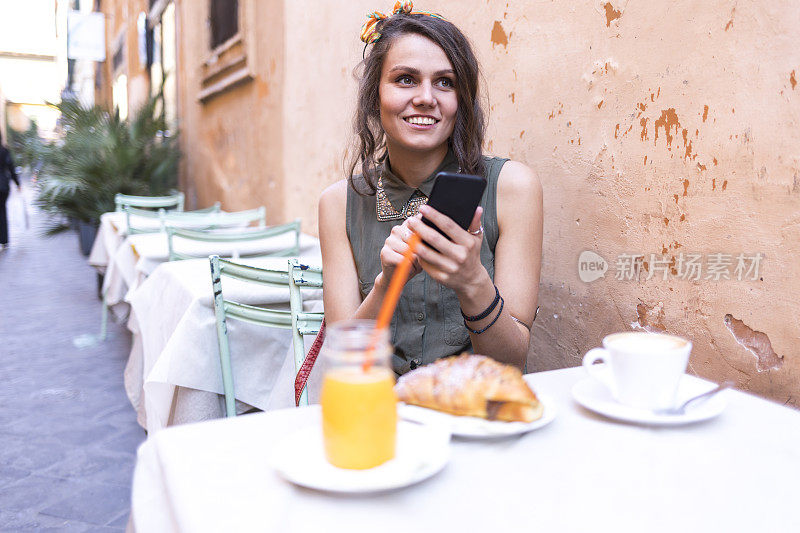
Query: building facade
{"x": 33, "y": 63}
{"x": 211, "y": 57}
{"x": 123, "y": 79}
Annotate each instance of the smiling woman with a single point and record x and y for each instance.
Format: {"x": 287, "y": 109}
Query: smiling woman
{"x": 419, "y": 114}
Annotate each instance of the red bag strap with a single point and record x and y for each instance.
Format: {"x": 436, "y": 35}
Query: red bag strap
{"x": 308, "y": 363}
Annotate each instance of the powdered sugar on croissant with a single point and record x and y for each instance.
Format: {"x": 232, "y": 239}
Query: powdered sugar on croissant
{"x": 471, "y": 385}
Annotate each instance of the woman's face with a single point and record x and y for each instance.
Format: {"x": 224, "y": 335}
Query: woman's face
{"x": 418, "y": 100}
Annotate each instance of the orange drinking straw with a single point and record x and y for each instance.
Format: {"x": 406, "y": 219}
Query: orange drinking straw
{"x": 393, "y": 295}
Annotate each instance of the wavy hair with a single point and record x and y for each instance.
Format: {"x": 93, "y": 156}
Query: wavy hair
{"x": 470, "y": 125}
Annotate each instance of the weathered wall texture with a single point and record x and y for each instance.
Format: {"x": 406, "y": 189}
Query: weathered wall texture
{"x": 232, "y": 141}
{"x": 663, "y": 128}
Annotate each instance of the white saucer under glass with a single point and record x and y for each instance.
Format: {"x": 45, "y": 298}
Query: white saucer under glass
{"x": 422, "y": 451}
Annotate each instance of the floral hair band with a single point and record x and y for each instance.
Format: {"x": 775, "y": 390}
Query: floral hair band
{"x": 369, "y": 31}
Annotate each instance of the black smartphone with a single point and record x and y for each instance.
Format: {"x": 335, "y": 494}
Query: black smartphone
{"x": 457, "y": 196}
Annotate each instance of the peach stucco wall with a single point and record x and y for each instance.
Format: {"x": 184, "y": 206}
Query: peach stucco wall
{"x": 655, "y": 127}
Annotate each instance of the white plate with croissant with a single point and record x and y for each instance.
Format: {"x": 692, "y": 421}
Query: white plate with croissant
{"x": 472, "y": 396}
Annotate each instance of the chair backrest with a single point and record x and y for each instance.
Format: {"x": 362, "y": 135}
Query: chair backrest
{"x": 230, "y": 236}
{"x": 295, "y": 278}
{"x": 141, "y": 220}
{"x": 215, "y": 208}
{"x": 154, "y": 220}
{"x": 152, "y": 202}
{"x": 207, "y": 219}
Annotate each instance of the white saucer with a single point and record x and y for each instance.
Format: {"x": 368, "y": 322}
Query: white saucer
{"x": 477, "y": 428}
{"x": 594, "y": 396}
{"x": 422, "y": 451}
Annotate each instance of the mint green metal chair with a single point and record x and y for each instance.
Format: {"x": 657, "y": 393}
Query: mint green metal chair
{"x": 174, "y": 201}
{"x": 209, "y": 217}
{"x": 199, "y": 220}
{"x": 133, "y": 220}
{"x": 135, "y": 215}
{"x": 295, "y": 278}
{"x": 232, "y": 236}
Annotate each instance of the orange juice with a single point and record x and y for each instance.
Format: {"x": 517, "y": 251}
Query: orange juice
{"x": 359, "y": 416}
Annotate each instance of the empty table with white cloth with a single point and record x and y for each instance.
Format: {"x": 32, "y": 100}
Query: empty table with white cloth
{"x": 140, "y": 254}
{"x": 173, "y": 373}
{"x": 112, "y": 231}
{"x": 126, "y": 260}
{"x": 110, "y": 235}
{"x": 582, "y": 472}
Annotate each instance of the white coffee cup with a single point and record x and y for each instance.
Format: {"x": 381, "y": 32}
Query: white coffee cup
{"x": 642, "y": 369}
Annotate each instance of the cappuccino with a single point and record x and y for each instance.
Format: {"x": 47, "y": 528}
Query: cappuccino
{"x": 648, "y": 382}
{"x": 642, "y": 342}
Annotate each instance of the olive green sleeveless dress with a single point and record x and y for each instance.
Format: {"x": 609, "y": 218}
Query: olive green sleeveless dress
{"x": 427, "y": 324}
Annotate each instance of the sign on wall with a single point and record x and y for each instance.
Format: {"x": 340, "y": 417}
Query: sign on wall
{"x": 86, "y": 36}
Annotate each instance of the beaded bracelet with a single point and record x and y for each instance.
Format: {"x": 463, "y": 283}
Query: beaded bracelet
{"x": 487, "y": 311}
{"x": 479, "y": 331}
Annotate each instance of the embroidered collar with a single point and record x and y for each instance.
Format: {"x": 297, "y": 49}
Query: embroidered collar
{"x": 398, "y": 201}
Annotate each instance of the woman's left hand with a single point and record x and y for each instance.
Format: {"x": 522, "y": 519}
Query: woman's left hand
{"x": 457, "y": 263}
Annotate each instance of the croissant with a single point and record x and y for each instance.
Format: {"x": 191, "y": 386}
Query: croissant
{"x": 471, "y": 385}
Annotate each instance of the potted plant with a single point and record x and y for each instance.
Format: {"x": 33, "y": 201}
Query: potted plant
{"x": 100, "y": 155}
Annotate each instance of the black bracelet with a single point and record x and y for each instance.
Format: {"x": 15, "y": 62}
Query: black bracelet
{"x": 479, "y": 331}
{"x": 487, "y": 311}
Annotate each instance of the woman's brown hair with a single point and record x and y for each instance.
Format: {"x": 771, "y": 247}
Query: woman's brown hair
{"x": 467, "y": 138}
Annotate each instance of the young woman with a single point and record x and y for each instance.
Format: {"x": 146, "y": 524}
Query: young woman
{"x": 419, "y": 114}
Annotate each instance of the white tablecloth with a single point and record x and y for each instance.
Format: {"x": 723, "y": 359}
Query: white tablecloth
{"x": 173, "y": 373}
{"x": 110, "y": 235}
{"x": 112, "y": 257}
{"x": 126, "y": 260}
{"x": 581, "y": 473}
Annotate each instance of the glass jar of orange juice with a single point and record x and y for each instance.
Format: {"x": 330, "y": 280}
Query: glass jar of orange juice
{"x": 359, "y": 407}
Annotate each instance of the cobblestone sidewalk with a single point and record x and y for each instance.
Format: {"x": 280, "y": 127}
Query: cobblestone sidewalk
{"x": 68, "y": 434}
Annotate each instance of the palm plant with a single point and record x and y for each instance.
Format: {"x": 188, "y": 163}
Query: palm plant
{"x": 100, "y": 155}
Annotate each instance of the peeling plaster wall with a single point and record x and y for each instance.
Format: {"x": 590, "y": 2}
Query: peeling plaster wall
{"x": 664, "y": 128}
{"x": 232, "y": 142}
{"x": 709, "y": 165}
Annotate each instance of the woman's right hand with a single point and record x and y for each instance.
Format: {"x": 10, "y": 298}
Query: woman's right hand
{"x": 392, "y": 255}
